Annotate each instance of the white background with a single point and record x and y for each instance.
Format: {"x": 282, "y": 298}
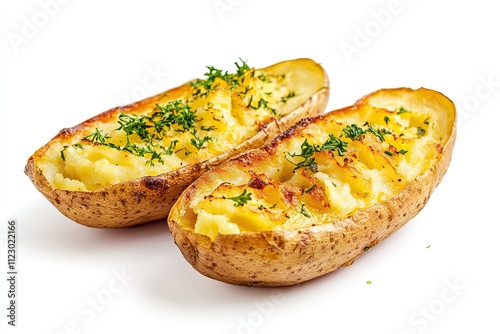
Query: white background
{"x": 65, "y": 62}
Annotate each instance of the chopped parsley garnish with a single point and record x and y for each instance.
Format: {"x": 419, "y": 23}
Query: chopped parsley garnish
{"x": 387, "y": 119}
{"x": 199, "y": 142}
{"x": 284, "y": 99}
{"x": 261, "y": 103}
{"x": 264, "y": 78}
{"x": 336, "y": 144}
{"x": 307, "y": 150}
{"x": 311, "y": 188}
{"x": 241, "y": 199}
{"x": 402, "y": 110}
{"x": 97, "y": 137}
{"x": 379, "y": 133}
{"x": 134, "y": 124}
{"x": 174, "y": 113}
{"x": 152, "y": 129}
{"x": 353, "y": 132}
{"x": 332, "y": 144}
{"x": 390, "y": 153}
{"x": 204, "y": 86}
{"x": 65, "y": 147}
{"x": 62, "y": 152}
{"x": 304, "y": 211}
{"x": 209, "y": 83}
{"x": 210, "y": 128}
{"x": 241, "y": 69}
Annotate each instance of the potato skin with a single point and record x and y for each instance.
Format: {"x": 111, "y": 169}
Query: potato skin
{"x": 150, "y": 198}
{"x": 281, "y": 258}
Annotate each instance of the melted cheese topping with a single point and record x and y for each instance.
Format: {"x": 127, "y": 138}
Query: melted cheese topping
{"x": 282, "y": 194}
{"x": 226, "y": 114}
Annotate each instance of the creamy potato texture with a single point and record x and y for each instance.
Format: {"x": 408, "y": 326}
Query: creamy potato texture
{"x": 211, "y": 117}
{"x": 335, "y": 167}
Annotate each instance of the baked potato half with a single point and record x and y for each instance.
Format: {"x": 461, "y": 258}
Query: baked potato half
{"x": 320, "y": 194}
{"x": 128, "y": 165}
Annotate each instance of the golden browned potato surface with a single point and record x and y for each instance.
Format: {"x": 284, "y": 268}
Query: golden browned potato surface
{"x": 128, "y": 165}
{"x": 315, "y": 198}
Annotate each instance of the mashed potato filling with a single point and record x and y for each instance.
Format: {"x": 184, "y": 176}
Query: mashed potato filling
{"x": 212, "y": 116}
{"x": 333, "y": 168}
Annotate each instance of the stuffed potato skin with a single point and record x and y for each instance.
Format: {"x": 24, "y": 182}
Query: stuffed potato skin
{"x": 294, "y": 255}
{"x": 148, "y": 198}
